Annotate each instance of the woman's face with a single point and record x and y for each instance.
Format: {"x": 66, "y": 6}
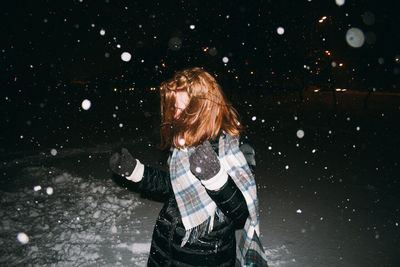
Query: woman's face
{"x": 181, "y": 102}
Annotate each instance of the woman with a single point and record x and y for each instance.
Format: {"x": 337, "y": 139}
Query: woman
{"x": 210, "y": 189}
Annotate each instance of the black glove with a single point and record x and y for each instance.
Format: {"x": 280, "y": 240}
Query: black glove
{"x": 204, "y": 162}
{"x": 122, "y": 163}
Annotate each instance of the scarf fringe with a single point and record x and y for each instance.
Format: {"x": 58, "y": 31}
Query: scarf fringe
{"x": 202, "y": 229}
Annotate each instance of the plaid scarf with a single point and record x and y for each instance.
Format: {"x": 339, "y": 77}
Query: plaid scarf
{"x": 198, "y": 210}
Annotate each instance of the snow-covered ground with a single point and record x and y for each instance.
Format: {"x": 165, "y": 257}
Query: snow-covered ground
{"x": 329, "y": 198}
{"x": 73, "y": 221}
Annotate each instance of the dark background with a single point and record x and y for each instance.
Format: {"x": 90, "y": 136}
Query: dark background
{"x": 53, "y": 57}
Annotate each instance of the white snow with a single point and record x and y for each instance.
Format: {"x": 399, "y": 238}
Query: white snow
{"x": 300, "y": 133}
{"x": 126, "y": 56}
{"x": 340, "y": 2}
{"x": 86, "y": 104}
{"x": 23, "y": 238}
{"x": 280, "y": 30}
{"x": 182, "y": 141}
{"x": 53, "y": 152}
{"x": 37, "y": 188}
{"x": 83, "y": 223}
{"x": 49, "y": 190}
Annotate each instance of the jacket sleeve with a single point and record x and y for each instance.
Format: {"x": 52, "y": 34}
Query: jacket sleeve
{"x": 231, "y": 202}
{"x": 155, "y": 183}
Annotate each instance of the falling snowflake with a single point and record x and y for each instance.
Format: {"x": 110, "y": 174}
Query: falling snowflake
{"x": 300, "y": 133}
{"x": 340, "y": 2}
{"x": 49, "y": 190}
{"x": 355, "y": 37}
{"x": 126, "y": 56}
{"x": 182, "y": 141}
{"x": 86, "y": 104}
{"x": 37, "y": 188}
{"x": 53, "y": 152}
{"x": 23, "y": 238}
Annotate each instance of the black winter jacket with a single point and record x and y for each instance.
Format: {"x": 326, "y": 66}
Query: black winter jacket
{"x": 218, "y": 248}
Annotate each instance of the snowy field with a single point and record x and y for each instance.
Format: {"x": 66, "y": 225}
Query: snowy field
{"x": 328, "y": 183}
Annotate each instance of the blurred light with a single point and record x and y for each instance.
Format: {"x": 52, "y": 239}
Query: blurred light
{"x": 322, "y": 19}
{"x": 340, "y": 2}
{"x": 175, "y": 43}
{"x": 355, "y": 37}
{"x": 368, "y": 18}
{"x": 327, "y": 52}
{"x": 340, "y": 64}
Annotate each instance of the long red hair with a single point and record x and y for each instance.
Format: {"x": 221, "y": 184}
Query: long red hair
{"x": 206, "y": 115}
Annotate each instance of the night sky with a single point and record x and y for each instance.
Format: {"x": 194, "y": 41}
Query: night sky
{"x": 54, "y": 54}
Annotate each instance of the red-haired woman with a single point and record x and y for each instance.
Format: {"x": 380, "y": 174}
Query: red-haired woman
{"x": 210, "y": 189}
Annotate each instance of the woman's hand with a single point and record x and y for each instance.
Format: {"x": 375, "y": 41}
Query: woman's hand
{"x": 122, "y": 163}
{"x": 204, "y": 162}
